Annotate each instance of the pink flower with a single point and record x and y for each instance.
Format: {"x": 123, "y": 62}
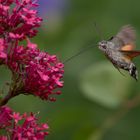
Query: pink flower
{"x": 21, "y": 127}
{"x": 3, "y": 54}
{"x": 16, "y": 117}
{"x": 18, "y": 19}
{"x": 40, "y": 73}
{"x": 33, "y": 71}
{"x": 3, "y": 138}
{"x": 6, "y": 2}
{"x": 5, "y": 116}
{"x": 29, "y": 129}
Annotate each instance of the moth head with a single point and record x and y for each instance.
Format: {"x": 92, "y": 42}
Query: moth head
{"x": 105, "y": 45}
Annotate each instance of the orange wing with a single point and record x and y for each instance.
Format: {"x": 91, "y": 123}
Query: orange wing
{"x": 128, "y": 47}
{"x": 130, "y": 54}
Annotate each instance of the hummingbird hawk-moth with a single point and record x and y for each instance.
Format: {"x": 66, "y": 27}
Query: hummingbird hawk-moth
{"x": 120, "y": 51}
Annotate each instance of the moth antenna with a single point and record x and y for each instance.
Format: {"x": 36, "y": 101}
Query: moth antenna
{"x": 98, "y": 30}
{"x": 80, "y": 52}
{"x": 87, "y": 48}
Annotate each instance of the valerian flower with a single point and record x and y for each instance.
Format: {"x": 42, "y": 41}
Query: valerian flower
{"x": 18, "y": 19}
{"x": 19, "y": 127}
{"x": 5, "y": 116}
{"x": 3, "y": 138}
{"x": 33, "y": 71}
{"x": 39, "y": 73}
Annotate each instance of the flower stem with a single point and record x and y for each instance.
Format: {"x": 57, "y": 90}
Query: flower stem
{"x": 10, "y": 95}
{"x": 5, "y": 99}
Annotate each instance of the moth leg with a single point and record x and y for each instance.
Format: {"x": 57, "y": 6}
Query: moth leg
{"x": 118, "y": 69}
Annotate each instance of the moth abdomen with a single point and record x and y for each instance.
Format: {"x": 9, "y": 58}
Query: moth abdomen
{"x": 133, "y": 71}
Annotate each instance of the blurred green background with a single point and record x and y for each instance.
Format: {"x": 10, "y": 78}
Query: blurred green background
{"x": 93, "y": 88}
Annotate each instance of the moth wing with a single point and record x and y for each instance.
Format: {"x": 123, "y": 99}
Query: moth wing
{"x": 130, "y": 54}
{"x": 128, "y": 47}
{"x": 125, "y": 38}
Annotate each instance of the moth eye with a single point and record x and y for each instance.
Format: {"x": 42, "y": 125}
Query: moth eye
{"x": 104, "y": 46}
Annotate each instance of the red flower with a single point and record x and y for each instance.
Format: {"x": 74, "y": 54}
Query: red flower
{"x": 3, "y": 54}
{"x": 28, "y": 129}
{"x": 20, "y": 20}
{"x": 35, "y": 72}
{"x": 39, "y": 73}
{"x": 3, "y": 138}
{"x": 16, "y": 117}
{"x": 5, "y": 118}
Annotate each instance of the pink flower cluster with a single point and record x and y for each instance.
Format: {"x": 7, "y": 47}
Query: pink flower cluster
{"x": 21, "y": 127}
{"x": 18, "y": 21}
{"x": 39, "y": 71}
{"x": 34, "y": 71}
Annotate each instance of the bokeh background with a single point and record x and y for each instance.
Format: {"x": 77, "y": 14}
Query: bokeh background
{"x": 93, "y": 104}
